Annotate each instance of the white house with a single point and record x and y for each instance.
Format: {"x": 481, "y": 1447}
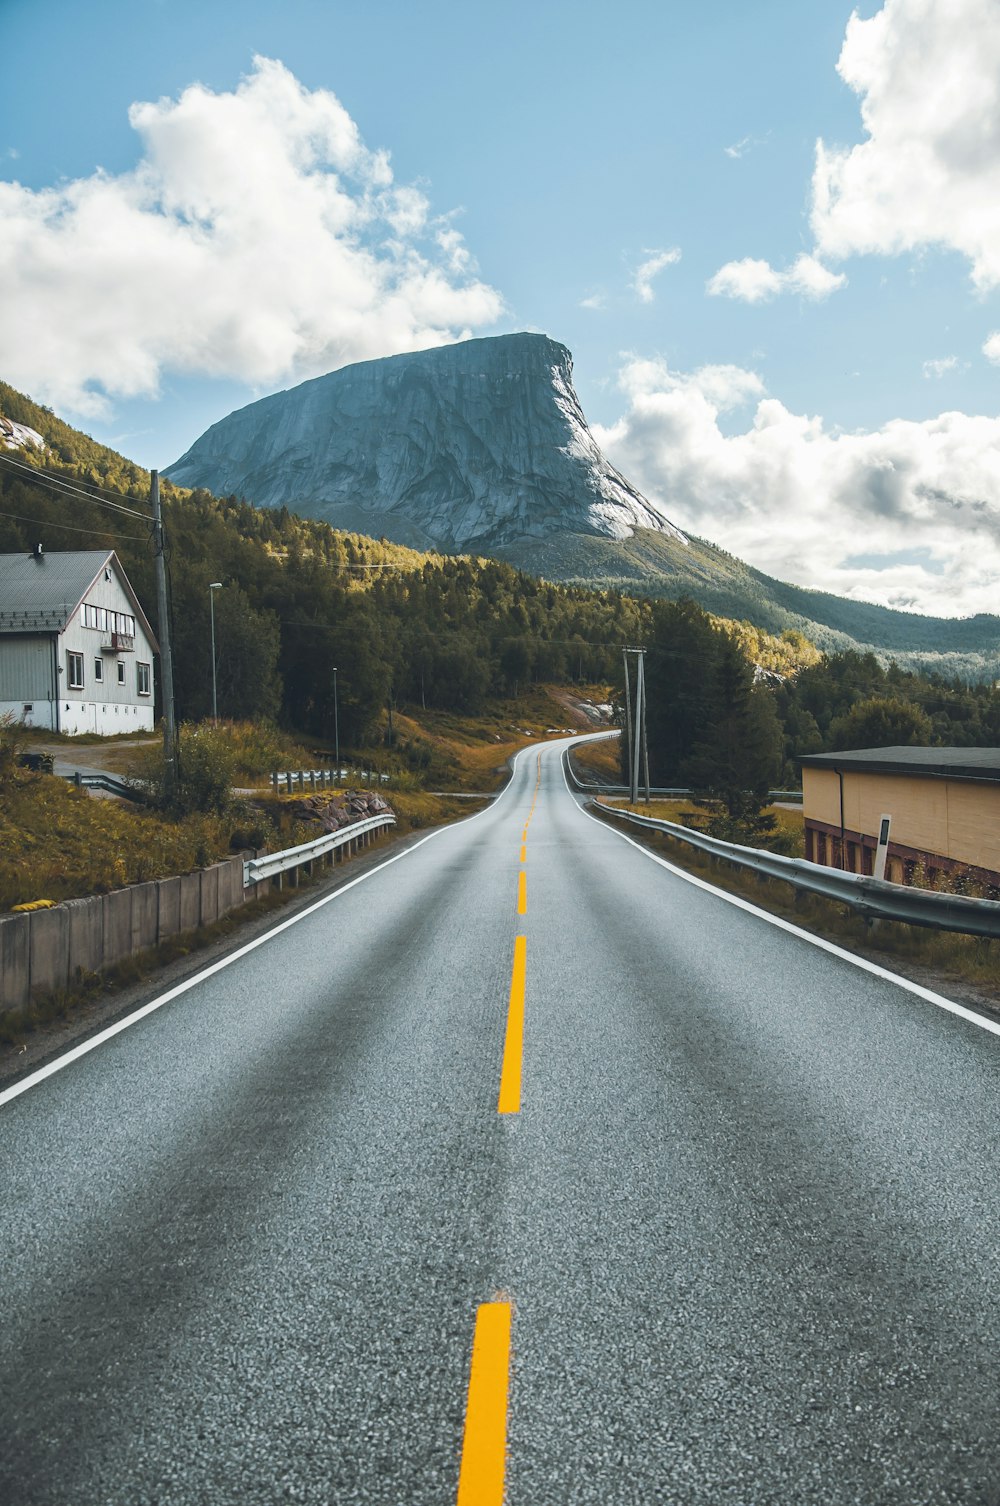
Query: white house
{"x": 76, "y": 649}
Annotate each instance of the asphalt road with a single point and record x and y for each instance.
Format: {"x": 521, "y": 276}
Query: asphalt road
{"x": 742, "y": 1218}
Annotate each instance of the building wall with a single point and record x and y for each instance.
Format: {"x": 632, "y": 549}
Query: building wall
{"x": 955, "y": 819}
{"x": 104, "y": 706}
{"x": 27, "y": 667}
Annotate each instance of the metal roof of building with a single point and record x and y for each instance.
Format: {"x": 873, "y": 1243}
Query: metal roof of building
{"x": 40, "y": 593}
{"x": 937, "y": 763}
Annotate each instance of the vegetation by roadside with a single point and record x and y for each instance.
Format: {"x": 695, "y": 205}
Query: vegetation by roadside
{"x": 963, "y": 966}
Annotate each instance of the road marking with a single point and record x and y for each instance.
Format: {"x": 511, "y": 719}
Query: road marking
{"x": 509, "y": 1101}
{"x": 524, "y": 853}
{"x": 484, "y": 1445}
{"x": 522, "y": 893}
{"x": 938, "y": 1000}
{"x": 99, "y": 1039}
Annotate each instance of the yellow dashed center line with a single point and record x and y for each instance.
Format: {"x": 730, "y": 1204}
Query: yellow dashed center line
{"x": 509, "y": 1101}
{"x": 522, "y": 893}
{"x": 484, "y": 1446}
{"x": 524, "y": 853}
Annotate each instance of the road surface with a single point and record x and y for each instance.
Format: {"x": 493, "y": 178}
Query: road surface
{"x": 724, "y": 1220}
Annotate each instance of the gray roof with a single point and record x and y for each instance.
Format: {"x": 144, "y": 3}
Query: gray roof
{"x": 39, "y": 594}
{"x": 937, "y": 763}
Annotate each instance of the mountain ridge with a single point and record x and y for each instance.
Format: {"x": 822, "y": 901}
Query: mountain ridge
{"x": 483, "y": 447}
{"x": 460, "y": 448}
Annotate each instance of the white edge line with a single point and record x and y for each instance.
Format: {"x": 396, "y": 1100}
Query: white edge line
{"x": 785, "y": 925}
{"x": 91, "y": 1044}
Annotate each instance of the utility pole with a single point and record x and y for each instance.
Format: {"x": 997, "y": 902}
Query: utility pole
{"x": 637, "y": 724}
{"x": 216, "y": 585}
{"x": 628, "y": 718}
{"x": 638, "y": 748}
{"x": 166, "y": 656}
{"x": 336, "y": 723}
{"x": 645, "y": 745}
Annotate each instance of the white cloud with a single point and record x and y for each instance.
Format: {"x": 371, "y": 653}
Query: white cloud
{"x": 928, "y": 172}
{"x": 800, "y": 502}
{"x": 745, "y": 144}
{"x": 755, "y": 281}
{"x": 941, "y": 367}
{"x": 647, "y": 270}
{"x": 991, "y": 348}
{"x": 595, "y": 301}
{"x": 257, "y": 238}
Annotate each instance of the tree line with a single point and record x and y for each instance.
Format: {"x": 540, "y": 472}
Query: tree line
{"x": 730, "y": 706}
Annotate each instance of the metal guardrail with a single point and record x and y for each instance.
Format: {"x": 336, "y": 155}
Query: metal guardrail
{"x": 875, "y": 899}
{"x": 109, "y": 783}
{"x": 317, "y": 779}
{"x": 670, "y": 792}
{"x": 275, "y": 863}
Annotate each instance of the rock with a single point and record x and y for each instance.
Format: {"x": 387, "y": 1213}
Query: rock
{"x": 470, "y": 445}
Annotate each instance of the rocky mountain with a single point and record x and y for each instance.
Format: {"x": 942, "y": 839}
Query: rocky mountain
{"x": 482, "y": 447}
{"x": 461, "y": 448}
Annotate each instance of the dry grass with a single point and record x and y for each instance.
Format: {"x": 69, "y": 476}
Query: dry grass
{"x": 57, "y": 842}
{"x": 447, "y": 750}
{"x": 790, "y": 828}
{"x": 599, "y": 761}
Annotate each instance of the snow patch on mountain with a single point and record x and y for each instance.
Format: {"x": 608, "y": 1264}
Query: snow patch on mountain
{"x": 618, "y": 509}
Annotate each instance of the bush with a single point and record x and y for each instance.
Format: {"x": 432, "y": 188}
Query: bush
{"x": 206, "y": 771}
{"x": 11, "y": 743}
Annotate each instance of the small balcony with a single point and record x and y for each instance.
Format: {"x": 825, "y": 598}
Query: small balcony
{"x": 118, "y": 643}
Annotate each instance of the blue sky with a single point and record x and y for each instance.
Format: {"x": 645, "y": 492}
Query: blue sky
{"x": 775, "y": 384}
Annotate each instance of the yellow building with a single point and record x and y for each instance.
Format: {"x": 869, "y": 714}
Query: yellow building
{"x": 943, "y": 805}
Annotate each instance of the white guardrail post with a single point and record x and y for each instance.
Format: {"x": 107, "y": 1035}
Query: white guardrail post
{"x": 274, "y": 864}
{"x": 873, "y": 898}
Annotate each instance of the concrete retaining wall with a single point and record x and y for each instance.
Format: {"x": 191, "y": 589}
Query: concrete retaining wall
{"x": 44, "y": 951}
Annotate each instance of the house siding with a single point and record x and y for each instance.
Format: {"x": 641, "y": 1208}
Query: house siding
{"x": 957, "y": 821}
{"x": 106, "y": 707}
{"x": 26, "y": 670}
{"x": 34, "y": 666}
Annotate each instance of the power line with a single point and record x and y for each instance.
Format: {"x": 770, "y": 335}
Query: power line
{"x": 59, "y": 484}
{"x": 69, "y": 527}
{"x": 104, "y": 491}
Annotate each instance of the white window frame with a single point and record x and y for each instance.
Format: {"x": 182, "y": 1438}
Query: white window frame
{"x": 140, "y": 665}
{"x": 98, "y": 670}
{"x": 121, "y": 671}
{"x": 74, "y": 665}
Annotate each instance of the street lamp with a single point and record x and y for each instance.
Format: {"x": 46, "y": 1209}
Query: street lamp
{"x": 336, "y": 722}
{"x": 215, "y": 585}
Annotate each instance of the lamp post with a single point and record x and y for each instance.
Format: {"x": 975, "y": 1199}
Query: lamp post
{"x": 215, "y": 585}
{"x": 336, "y": 723}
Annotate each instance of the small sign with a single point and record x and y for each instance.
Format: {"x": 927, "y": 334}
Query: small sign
{"x": 882, "y": 850}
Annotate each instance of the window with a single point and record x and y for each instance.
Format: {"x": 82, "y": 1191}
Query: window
{"x": 89, "y": 616}
{"x": 99, "y": 671}
{"x": 74, "y": 666}
{"x": 121, "y": 671}
{"x": 142, "y": 678}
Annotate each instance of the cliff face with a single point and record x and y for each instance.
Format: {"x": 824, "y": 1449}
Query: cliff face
{"x": 459, "y": 448}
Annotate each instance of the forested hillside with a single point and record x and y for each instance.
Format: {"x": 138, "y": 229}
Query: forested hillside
{"x": 300, "y": 597}
{"x": 449, "y": 632}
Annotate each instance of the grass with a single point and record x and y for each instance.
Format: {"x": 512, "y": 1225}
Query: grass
{"x": 788, "y": 837}
{"x": 935, "y": 958}
{"x": 599, "y": 761}
{"x": 58, "y": 842}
